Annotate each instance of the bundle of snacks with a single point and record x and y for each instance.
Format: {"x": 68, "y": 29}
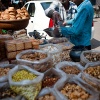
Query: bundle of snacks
{"x": 90, "y": 56}
{"x": 75, "y": 89}
{"x": 7, "y": 94}
{"x": 91, "y": 74}
{"x": 70, "y": 68}
{"x": 4, "y": 69}
{"x": 53, "y": 50}
{"x": 14, "y": 47}
{"x": 25, "y": 81}
{"x": 51, "y": 76}
{"x": 36, "y": 59}
{"x": 14, "y": 14}
{"x": 48, "y": 94}
{"x": 3, "y": 38}
{"x": 20, "y": 34}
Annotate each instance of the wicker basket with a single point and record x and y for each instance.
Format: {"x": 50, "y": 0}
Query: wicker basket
{"x": 14, "y": 24}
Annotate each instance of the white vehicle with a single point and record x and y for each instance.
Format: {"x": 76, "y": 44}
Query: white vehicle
{"x": 38, "y": 19}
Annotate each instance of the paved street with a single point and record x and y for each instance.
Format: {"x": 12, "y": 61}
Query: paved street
{"x": 96, "y": 38}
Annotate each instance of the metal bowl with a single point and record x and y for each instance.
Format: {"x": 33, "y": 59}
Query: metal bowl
{"x": 14, "y": 24}
{"x": 53, "y": 32}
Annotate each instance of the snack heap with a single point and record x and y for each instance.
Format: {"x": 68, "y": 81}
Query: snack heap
{"x": 14, "y": 14}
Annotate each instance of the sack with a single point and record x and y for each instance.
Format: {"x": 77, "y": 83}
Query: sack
{"x": 91, "y": 74}
{"x": 69, "y": 68}
{"x": 26, "y": 87}
{"x": 89, "y": 56}
{"x": 41, "y": 65}
{"x": 53, "y": 50}
{"x": 72, "y": 88}
{"x": 51, "y": 77}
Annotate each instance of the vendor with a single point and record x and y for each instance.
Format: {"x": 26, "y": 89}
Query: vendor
{"x": 80, "y": 31}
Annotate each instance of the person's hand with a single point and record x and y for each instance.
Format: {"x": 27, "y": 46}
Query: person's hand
{"x": 64, "y": 23}
{"x": 56, "y": 17}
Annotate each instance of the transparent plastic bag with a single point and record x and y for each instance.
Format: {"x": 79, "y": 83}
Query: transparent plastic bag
{"x": 80, "y": 87}
{"x": 92, "y": 77}
{"x": 4, "y": 78}
{"x": 48, "y": 91}
{"x": 54, "y": 50}
{"x": 89, "y": 56}
{"x": 27, "y": 88}
{"x": 40, "y": 65}
{"x": 51, "y": 77}
{"x": 70, "y": 68}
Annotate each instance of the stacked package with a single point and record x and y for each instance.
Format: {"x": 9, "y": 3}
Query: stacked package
{"x": 3, "y": 38}
{"x": 16, "y": 46}
{"x": 20, "y": 34}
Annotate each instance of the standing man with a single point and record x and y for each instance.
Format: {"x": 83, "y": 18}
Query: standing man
{"x": 61, "y": 10}
{"x": 80, "y": 31}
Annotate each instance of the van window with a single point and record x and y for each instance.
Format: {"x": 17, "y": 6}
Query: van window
{"x": 31, "y": 9}
{"x": 45, "y": 5}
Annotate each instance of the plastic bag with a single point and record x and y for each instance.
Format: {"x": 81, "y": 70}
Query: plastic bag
{"x": 7, "y": 94}
{"x": 48, "y": 91}
{"x": 70, "y": 68}
{"x": 53, "y": 50}
{"x": 92, "y": 80}
{"x": 51, "y": 77}
{"x": 89, "y": 56}
{"x": 4, "y": 78}
{"x": 28, "y": 88}
{"x": 80, "y": 86}
{"x": 40, "y": 65}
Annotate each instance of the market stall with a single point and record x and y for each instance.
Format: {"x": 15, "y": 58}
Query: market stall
{"x": 46, "y": 71}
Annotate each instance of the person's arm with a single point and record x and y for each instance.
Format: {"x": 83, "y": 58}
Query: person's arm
{"x": 49, "y": 11}
{"x": 77, "y": 24}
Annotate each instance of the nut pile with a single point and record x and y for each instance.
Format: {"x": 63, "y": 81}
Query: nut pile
{"x": 34, "y": 56}
{"x": 71, "y": 70}
{"x": 14, "y": 14}
{"x": 92, "y": 56}
{"x": 49, "y": 81}
{"x": 47, "y": 97}
{"x": 23, "y": 75}
{"x": 4, "y": 71}
{"x": 65, "y": 55}
{"x": 93, "y": 71}
{"x": 7, "y": 93}
{"x": 74, "y": 92}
